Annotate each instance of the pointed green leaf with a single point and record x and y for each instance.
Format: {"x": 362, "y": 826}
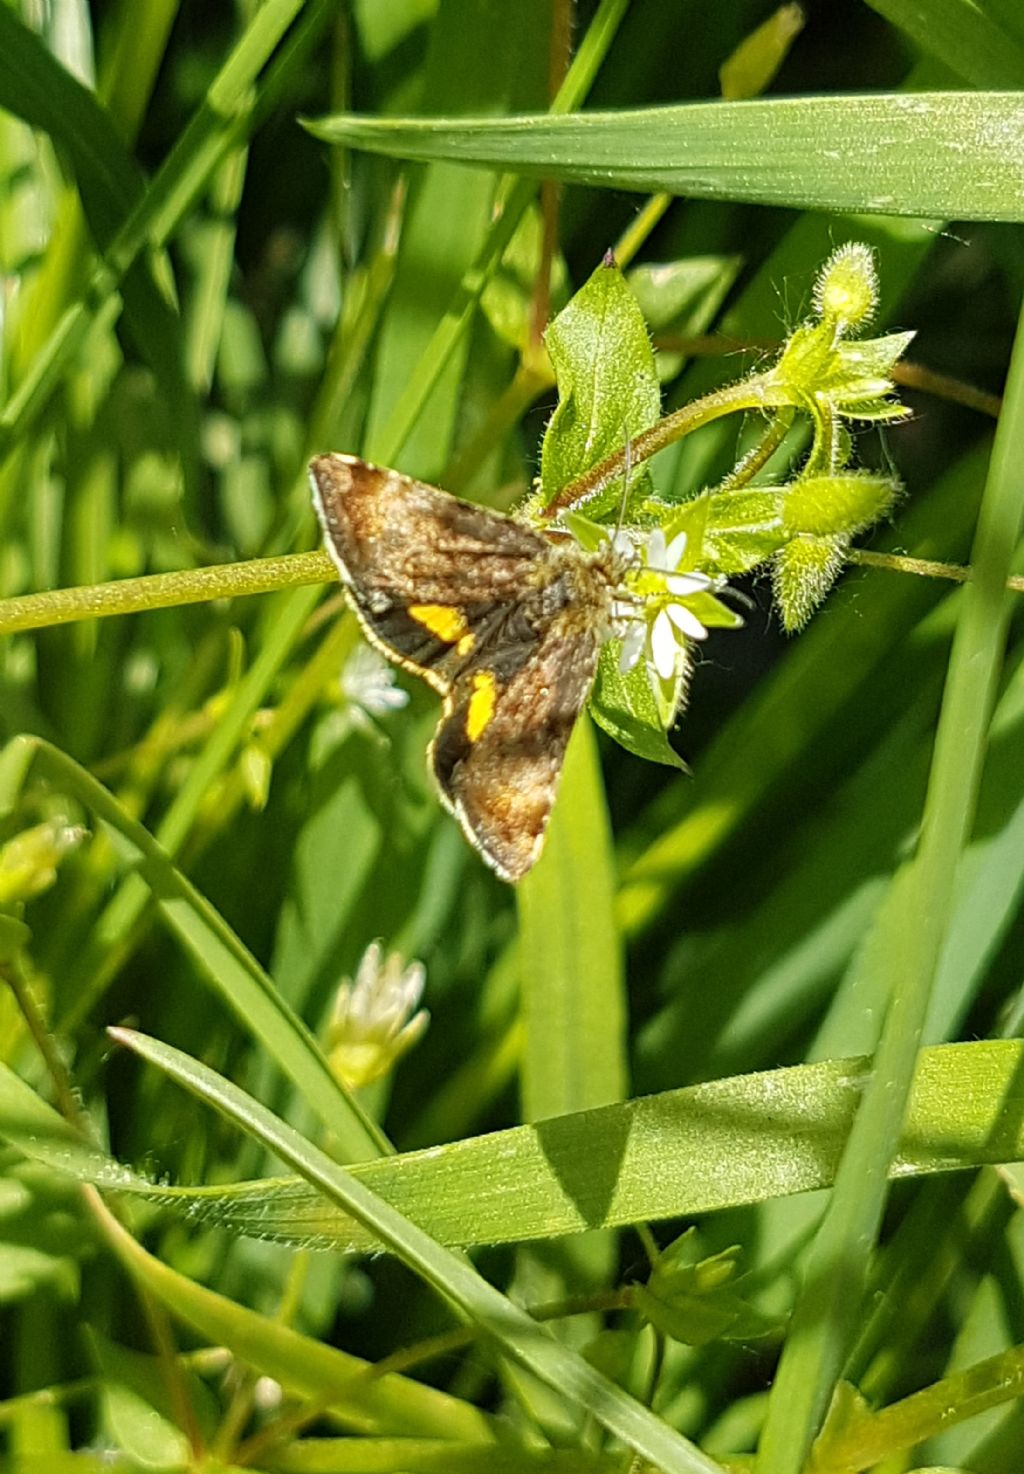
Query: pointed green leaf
{"x": 607, "y": 385}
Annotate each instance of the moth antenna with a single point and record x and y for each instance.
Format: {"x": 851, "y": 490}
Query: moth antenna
{"x": 627, "y": 466}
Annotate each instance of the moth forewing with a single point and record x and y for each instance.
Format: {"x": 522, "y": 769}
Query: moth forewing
{"x": 505, "y": 623}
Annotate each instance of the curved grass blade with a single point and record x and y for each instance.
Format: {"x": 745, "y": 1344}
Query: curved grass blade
{"x": 222, "y": 956}
{"x": 959, "y": 34}
{"x": 346, "y": 1384}
{"x": 907, "y": 943}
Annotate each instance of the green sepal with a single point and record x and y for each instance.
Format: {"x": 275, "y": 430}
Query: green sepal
{"x": 744, "y": 529}
{"x": 738, "y": 552}
{"x": 712, "y": 613}
{"x": 802, "y": 574}
{"x": 837, "y": 505}
{"x": 877, "y": 411}
{"x": 873, "y": 358}
{"x": 589, "y": 534}
{"x": 754, "y": 510}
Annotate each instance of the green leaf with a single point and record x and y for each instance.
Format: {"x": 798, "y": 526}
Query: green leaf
{"x": 926, "y": 154}
{"x": 569, "y": 953}
{"x": 344, "y": 1383}
{"x": 623, "y": 705}
{"x": 41, "y": 1237}
{"x": 607, "y": 386}
{"x": 137, "y": 1410}
{"x": 960, "y": 35}
{"x": 608, "y": 392}
{"x": 728, "y": 1142}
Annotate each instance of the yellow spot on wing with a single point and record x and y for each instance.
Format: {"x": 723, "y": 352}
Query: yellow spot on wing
{"x": 442, "y": 620}
{"x": 482, "y": 702}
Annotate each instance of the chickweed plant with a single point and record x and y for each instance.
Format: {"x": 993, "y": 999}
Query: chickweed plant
{"x": 697, "y": 1149}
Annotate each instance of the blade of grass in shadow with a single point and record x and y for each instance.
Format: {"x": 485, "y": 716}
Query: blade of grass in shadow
{"x": 750, "y": 1139}
{"x": 946, "y": 154}
{"x": 345, "y": 1384}
{"x": 511, "y": 1330}
{"x": 476, "y": 57}
{"x": 959, "y": 34}
{"x": 908, "y": 943}
{"x": 222, "y": 957}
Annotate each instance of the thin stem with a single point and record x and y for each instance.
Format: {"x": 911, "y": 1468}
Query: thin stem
{"x": 559, "y": 54}
{"x": 265, "y": 575}
{"x": 163, "y": 591}
{"x": 171, "y": 1371}
{"x": 636, "y": 233}
{"x": 713, "y": 406}
{"x": 924, "y": 567}
{"x": 906, "y": 373}
{"x": 759, "y": 454}
{"x": 12, "y": 973}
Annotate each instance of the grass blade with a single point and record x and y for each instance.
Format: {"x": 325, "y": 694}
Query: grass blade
{"x": 945, "y": 154}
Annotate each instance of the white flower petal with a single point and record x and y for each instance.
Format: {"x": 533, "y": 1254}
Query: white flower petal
{"x": 623, "y": 544}
{"x": 366, "y": 972}
{"x": 675, "y": 550}
{"x": 684, "y": 619}
{"x": 682, "y": 584}
{"x": 632, "y": 644}
{"x": 664, "y": 646}
{"x": 655, "y": 552}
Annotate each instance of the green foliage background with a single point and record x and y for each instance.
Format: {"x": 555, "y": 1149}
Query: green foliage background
{"x": 199, "y": 294}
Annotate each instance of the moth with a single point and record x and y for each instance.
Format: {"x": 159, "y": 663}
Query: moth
{"x": 505, "y": 623}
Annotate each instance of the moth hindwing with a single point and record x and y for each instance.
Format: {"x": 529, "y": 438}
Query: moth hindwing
{"x": 503, "y": 622}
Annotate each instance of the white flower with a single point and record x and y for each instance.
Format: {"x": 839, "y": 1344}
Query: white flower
{"x": 368, "y": 682}
{"x": 370, "y": 1026}
{"x": 653, "y": 618}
